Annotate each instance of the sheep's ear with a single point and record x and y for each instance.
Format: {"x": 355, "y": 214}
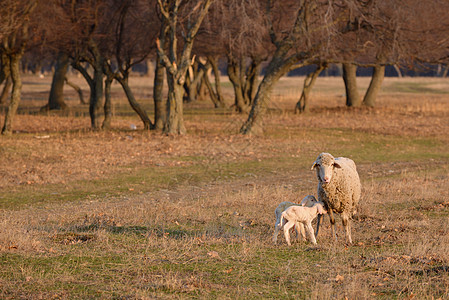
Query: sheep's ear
{"x": 337, "y": 165}
{"x": 313, "y": 166}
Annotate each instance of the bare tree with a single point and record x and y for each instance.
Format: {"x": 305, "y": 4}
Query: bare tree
{"x": 59, "y": 34}
{"x": 176, "y": 63}
{"x": 299, "y": 37}
{"x": 15, "y": 19}
{"x": 237, "y": 27}
{"x": 392, "y": 32}
{"x": 132, "y": 22}
{"x": 82, "y": 37}
{"x": 104, "y": 40}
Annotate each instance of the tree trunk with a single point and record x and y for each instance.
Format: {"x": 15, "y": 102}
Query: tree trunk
{"x": 96, "y": 96}
{"x": 5, "y": 76}
{"x": 5, "y": 91}
{"x": 302, "y": 106}
{"x": 187, "y": 87}
{"x": 77, "y": 89}
{"x": 147, "y": 125}
{"x": 235, "y": 78}
{"x": 212, "y": 94}
{"x": 194, "y": 86}
{"x": 398, "y": 70}
{"x": 107, "y": 103}
{"x": 252, "y": 79}
{"x": 444, "y": 74}
{"x": 279, "y": 65}
{"x": 202, "y": 90}
{"x": 254, "y": 124}
{"x": 160, "y": 104}
{"x": 175, "y": 115}
{"x": 374, "y": 86}
{"x": 56, "y": 98}
{"x": 4, "y": 67}
{"x": 160, "y": 107}
{"x": 14, "y": 61}
{"x": 214, "y": 63}
{"x": 350, "y": 80}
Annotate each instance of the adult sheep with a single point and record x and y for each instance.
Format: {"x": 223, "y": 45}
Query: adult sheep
{"x": 339, "y": 189}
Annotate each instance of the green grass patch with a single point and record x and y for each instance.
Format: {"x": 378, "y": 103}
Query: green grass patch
{"x": 413, "y": 87}
{"x": 361, "y": 147}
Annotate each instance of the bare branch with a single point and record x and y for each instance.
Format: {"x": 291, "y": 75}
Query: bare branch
{"x": 164, "y": 12}
{"x": 172, "y": 68}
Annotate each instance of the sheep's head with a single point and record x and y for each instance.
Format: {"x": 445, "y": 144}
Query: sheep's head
{"x": 308, "y": 201}
{"x": 324, "y": 165}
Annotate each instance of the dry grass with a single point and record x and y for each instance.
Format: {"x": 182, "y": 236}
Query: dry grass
{"x": 129, "y": 214}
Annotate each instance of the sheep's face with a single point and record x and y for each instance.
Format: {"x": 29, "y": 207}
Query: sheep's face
{"x": 324, "y": 165}
{"x": 308, "y": 201}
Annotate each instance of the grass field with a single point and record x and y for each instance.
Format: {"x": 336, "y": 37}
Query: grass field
{"x": 128, "y": 214}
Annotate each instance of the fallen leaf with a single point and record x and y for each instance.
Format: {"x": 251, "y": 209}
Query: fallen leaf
{"x": 214, "y": 254}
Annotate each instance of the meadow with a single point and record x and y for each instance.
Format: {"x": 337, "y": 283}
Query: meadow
{"x": 130, "y": 214}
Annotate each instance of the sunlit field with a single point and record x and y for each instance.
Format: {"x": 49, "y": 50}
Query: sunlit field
{"x": 130, "y": 214}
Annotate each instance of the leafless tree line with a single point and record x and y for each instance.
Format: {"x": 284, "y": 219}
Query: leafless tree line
{"x": 104, "y": 39}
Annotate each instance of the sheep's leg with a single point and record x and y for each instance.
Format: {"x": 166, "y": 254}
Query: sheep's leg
{"x": 287, "y": 228}
{"x": 277, "y": 226}
{"x": 318, "y": 225}
{"x": 310, "y": 233}
{"x": 347, "y": 224}
{"x": 332, "y": 220}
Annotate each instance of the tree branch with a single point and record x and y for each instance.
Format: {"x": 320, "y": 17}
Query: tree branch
{"x": 171, "y": 67}
{"x": 163, "y": 11}
{"x": 270, "y": 23}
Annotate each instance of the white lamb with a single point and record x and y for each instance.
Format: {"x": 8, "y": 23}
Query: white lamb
{"x": 296, "y": 215}
{"x": 309, "y": 201}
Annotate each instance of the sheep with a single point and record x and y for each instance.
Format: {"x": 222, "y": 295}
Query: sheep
{"x": 296, "y": 215}
{"x": 339, "y": 189}
{"x": 309, "y": 201}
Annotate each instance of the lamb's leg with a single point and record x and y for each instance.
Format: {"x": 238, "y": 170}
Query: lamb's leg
{"x": 277, "y": 226}
{"x": 301, "y": 230}
{"x": 287, "y": 228}
{"x": 332, "y": 220}
{"x": 310, "y": 233}
{"x": 347, "y": 224}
